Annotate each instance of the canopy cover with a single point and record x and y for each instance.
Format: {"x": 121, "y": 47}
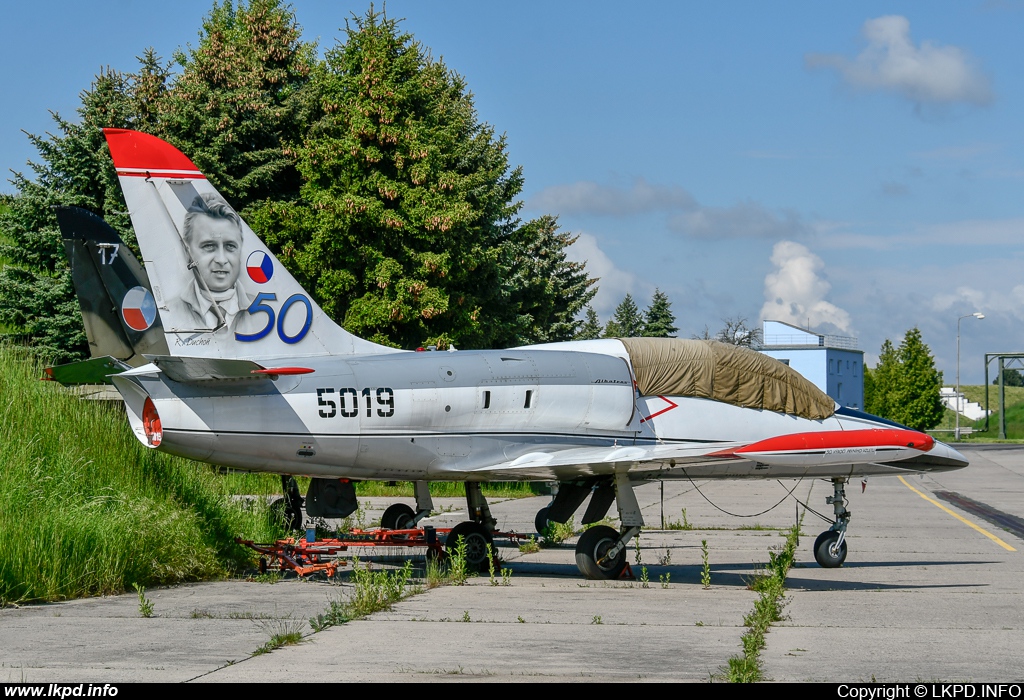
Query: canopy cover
{"x": 712, "y": 370}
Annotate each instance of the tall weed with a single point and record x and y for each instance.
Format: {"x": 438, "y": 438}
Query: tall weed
{"x": 86, "y": 510}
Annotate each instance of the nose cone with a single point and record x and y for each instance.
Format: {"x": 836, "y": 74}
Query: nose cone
{"x": 940, "y": 458}
{"x": 947, "y": 456}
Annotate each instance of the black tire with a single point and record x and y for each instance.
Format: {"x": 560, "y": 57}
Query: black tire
{"x": 825, "y": 551}
{"x": 540, "y": 521}
{"x": 398, "y": 516}
{"x": 477, "y": 539}
{"x": 591, "y": 548}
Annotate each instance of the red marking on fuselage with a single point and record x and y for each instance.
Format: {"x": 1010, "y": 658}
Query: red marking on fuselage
{"x": 671, "y": 405}
{"x": 835, "y": 439}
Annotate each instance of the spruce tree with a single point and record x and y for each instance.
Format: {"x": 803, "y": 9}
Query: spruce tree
{"x": 37, "y": 301}
{"x": 658, "y": 318}
{"x": 546, "y": 289}
{"x": 905, "y": 385}
{"x": 919, "y": 398}
{"x": 626, "y": 322}
{"x": 238, "y": 102}
{"x": 409, "y": 203}
{"x": 591, "y": 327}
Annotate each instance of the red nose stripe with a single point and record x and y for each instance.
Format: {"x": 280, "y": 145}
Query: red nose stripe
{"x": 836, "y": 439}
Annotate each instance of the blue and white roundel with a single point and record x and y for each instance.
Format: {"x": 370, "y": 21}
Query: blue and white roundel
{"x": 260, "y": 267}
{"x": 138, "y": 309}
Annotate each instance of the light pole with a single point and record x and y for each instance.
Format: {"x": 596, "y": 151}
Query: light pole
{"x": 978, "y": 315}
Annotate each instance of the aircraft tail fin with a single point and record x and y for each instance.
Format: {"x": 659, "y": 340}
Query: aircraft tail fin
{"x": 113, "y": 290}
{"x": 220, "y": 292}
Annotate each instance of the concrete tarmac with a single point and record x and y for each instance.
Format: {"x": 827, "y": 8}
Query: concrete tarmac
{"x": 923, "y": 596}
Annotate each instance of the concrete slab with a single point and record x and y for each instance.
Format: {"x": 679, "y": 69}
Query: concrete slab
{"x": 922, "y": 597}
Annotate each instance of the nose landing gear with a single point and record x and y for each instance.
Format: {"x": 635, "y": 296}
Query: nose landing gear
{"x": 830, "y": 547}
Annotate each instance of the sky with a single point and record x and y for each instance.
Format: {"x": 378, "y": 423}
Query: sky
{"x": 856, "y": 167}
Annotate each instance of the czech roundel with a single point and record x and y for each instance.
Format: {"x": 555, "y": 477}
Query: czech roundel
{"x": 138, "y": 309}
{"x": 260, "y": 267}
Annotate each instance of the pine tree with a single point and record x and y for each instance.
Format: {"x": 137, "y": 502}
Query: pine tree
{"x": 238, "y": 102}
{"x": 658, "y": 319}
{"x": 880, "y": 383}
{"x": 905, "y": 386}
{"x": 408, "y": 218}
{"x": 919, "y": 397}
{"x": 547, "y": 290}
{"x": 37, "y": 301}
{"x": 626, "y": 322}
{"x": 591, "y": 328}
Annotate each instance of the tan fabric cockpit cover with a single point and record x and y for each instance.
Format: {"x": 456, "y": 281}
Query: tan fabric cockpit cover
{"x": 713, "y": 370}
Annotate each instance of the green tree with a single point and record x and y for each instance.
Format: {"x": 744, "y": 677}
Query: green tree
{"x": 626, "y": 322}
{"x": 368, "y": 173}
{"x": 37, "y": 301}
{"x": 905, "y": 385}
{"x": 238, "y": 102}
{"x": 547, "y": 290}
{"x": 591, "y": 328}
{"x": 1011, "y": 377}
{"x": 658, "y": 318}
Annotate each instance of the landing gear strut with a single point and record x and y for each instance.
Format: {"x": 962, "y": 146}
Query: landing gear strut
{"x": 601, "y": 551}
{"x": 401, "y": 517}
{"x": 288, "y": 510}
{"x": 477, "y": 533}
{"x": 830, "y": 548}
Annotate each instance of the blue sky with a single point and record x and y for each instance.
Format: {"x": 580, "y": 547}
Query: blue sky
{"x": 858, "y": 165}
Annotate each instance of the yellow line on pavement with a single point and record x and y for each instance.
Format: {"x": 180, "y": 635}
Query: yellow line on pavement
{"x": 962, "y": 519}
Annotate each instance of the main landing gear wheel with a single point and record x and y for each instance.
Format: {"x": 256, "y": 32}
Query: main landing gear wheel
{"x": 477, "y": 539}
{"x": 826, "y": 553}
{"x": 540, "y": 521}
{"x": 591, "y": 549}
{"x": 398, "y": 516}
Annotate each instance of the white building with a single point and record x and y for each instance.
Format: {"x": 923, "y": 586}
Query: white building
{"x": 832, "y": 362}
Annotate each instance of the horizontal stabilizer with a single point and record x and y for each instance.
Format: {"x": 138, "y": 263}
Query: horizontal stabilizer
{"x": 190, "y": 370}
{"x": 94, "y": 371}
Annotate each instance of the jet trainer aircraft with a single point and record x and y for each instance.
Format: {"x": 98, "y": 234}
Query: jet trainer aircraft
{"x": 257, "y": 377}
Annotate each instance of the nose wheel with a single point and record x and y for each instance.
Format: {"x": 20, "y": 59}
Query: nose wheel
{"x": 829, "y": 551}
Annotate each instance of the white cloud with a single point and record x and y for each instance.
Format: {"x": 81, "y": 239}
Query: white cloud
{"x": 795, "y": 292}
{"x": 744, "y": 220}
{"x": 615, "y": 283}
{"x": 973, "y": 233}
{"x": 594, "y": 198}
{"x": 925, "y": 73}
{"x": 688, "y": 217}
{"x": 966, "y": 299}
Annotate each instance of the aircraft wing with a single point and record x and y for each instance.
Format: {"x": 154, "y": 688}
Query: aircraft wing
{"x": 797, "y": 450}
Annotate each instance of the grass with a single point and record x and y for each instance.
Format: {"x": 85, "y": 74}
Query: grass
{"x": 770, "y": 586}
{"x": 283, "y": 632}
{"x": 683, "y": 524}
{"x": 556, "y": 533}
{"x": 145, "y": 604}
{"x": 243, "y": 484}
{"x": 374, "y": 590}
{"x": 705, "y": 571}
{"x": 87, "y": 510}
{"x": 1014, "y": 415}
